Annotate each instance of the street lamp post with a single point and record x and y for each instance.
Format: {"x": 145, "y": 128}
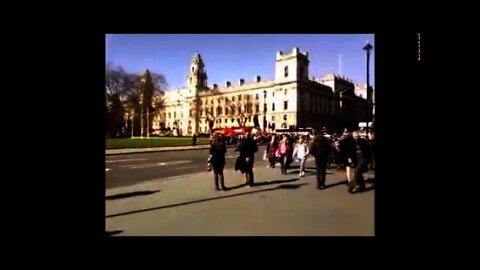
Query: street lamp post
{"x": 367, "y": 49}
{"x": 133, "y": 120}
{"x": 141, "y": 115}
{"x": 148, "y": 122}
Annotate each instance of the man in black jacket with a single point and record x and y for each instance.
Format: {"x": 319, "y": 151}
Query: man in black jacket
{"x": 321, "y": 149}
{"x": 247, "y": 149}
{"x": 358, "y": 155}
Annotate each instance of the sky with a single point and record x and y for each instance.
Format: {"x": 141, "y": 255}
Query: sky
{"x": 230, "y": 57}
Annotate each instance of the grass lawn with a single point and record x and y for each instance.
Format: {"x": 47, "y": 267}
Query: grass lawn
{"x": 151, "y": 142}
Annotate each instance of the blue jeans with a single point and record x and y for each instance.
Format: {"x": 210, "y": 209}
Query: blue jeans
{"x": 302, "y": 164}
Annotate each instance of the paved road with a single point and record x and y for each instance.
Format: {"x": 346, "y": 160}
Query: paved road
{"x": 125, "y": 170}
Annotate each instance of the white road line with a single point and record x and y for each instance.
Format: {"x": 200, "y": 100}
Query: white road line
{"x": 167, "y": 178}
{"x": 123, "y": 160}
{"x": 140, "y": 166}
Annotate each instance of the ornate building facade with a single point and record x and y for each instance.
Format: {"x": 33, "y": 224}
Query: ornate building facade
{"x": 292, "y": 99}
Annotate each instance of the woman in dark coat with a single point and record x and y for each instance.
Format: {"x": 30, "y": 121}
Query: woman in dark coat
{"x": 217, "y": 159}
{"x": 271, "y": 149}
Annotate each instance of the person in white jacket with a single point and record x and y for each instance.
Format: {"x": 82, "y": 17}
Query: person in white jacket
{"x": 301, "y": 152}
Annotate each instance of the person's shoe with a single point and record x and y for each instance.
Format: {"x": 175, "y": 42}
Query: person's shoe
{"x": 356, "y": 189}
{"x": 302, "y": 174}
{"x": 224, "y": 188}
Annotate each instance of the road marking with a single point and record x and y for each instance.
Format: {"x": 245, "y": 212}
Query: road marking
{"x": 140, "y": 166}
{"x": 123, "y": 160}
{"x": 167, "y": 178}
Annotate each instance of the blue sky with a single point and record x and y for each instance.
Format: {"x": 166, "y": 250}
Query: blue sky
{"x": 229, "y": 57}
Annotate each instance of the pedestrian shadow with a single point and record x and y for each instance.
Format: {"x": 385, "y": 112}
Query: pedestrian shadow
{"x": 130, "y": 194}
{"x": 343, "y": 182}
{"x": 372, "y": 187}
{"x": 370, "y": 180}
{"x": 110, "y": 233}
{"x": 237, "y": 186}
{"x": 283, "y": 186}
{"x": 275, "y": 182}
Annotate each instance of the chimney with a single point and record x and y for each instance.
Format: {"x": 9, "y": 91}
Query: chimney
{"x": 227, "y": 84}
{"x": 215, "y": 86}
{"x": 241, "y": 82}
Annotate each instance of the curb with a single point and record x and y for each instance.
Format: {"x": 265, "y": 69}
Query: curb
{"x": 111, "y": 152}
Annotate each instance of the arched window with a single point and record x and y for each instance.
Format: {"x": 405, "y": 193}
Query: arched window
{"x": 219, "y": 110}
{"x": 193, "y": 69}
{"x": 286, "y": 71}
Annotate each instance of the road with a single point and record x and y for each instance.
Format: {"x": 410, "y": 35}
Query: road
{"x": 129, "y": 169}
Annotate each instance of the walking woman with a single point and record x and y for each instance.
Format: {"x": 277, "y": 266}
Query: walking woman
{"x": 270, "y": 151}
{"x": 217, "y": 159}
{"x": 301, "y": 151}
{"x": 282, "y": 153}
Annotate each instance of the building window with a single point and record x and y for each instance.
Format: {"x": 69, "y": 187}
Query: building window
{"x": 233, "y": 98}
{"x": 257, "y": 108}
{"x": 169, "y": 115}
{"x": 219, "y": 110}
{"x": 265, "y": 107}
{"x": 285, "y": 92}
{"x": 193, "y": 69}
{"x": 285, "y": 105}
{"x": 190, "y": 113}
{"x": 249, "y": 107}
{"x": 239, "y": 97}
{"x": 233, "y": 110}
{"x": 285, "y": 117}
{"x": 256, "y": 96}
{"x": 273, "y": 118}
{"x": 286, "y": 71}
{"x": 211, "y": 102}
{"x": 233, "y": 120}
{"x": 248, "y": 97}
{"x": 273, "y": 107}
{"x": 218, "y": 100}
{"x": 175, "y": 115}
{"x": 273, "y": 93}
{"x": 265, "y": 94}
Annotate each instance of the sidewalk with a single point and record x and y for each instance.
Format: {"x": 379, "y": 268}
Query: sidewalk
{"x": 156, "y": 149}
{"x": 277, "y": 205}
{"x": 153, "y": 149}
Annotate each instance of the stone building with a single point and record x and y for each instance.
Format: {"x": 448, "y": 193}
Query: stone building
{"x": 292, "y": 99}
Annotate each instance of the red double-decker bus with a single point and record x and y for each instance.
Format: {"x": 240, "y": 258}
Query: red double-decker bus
{"x": 231, "y": 131}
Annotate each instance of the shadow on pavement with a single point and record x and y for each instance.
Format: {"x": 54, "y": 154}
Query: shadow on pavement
{"x": 343, "y": 182}
{"x": 275, "y": 182}
{"x": 237, "y": 186}
{"x": 284, "y": 186}
{"x": 372, "y": 187}
{"x": 110, "y": 233}
{"x": 130, "y": 194}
